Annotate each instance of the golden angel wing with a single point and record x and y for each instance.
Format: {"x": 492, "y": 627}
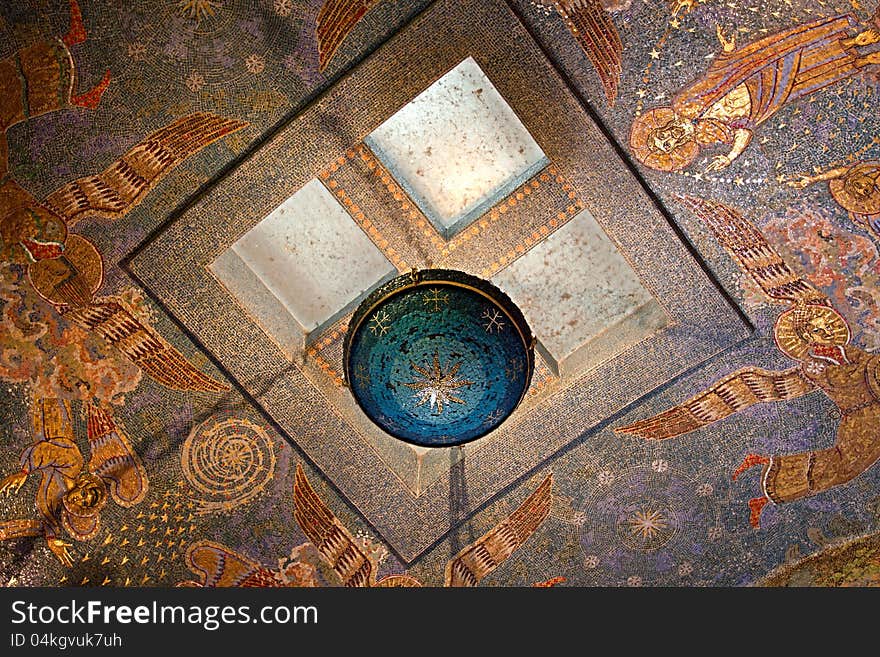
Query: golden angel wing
{"x": 113, "y": 458}
{"x": 489, "y": 551}
{"x": 330, "y": 538}
{"x": 753, "y": 253}
{"x": 124, "y": 183}
{"x": 592, "y": 26}
{"x": 113, "y": 321}
{"x": 730, "y": 395}
{"x": 218, "y": 566}
{"x": 336, "y": 20}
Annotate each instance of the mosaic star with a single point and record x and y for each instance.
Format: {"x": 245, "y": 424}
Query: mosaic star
{"x": 648, "y": 524}
{"x": 380, "y": 323}
{"x": 198, "y": 9}
{"x": 493, "y": 320}
{"x": 436, "y": 298}
{"x": 436, "y": 386}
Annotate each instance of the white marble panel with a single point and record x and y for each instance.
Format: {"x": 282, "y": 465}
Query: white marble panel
{"x": 576, "y": 289}
{"x": 457, "y": 148}
{"x": 310, "y": 255}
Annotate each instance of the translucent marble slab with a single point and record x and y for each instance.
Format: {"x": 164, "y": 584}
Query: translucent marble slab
{"x": 580, "y": 296}
{"x": 309, "y": 255}
{"x": 457, "y": 148}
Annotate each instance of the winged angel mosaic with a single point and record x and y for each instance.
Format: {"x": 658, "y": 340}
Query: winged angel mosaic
{"x": 55, "y": 334}
{"x": 589, "y": 21}
{"x": 66, "y": 269}
{"x": 354, "y": 563}
{"x": 747, "y": 85}
{"x": 810, "y": 332}
{"x": 71, "y": 493}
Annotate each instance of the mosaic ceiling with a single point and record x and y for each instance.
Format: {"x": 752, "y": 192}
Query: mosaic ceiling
{"x": 683, "y": 200}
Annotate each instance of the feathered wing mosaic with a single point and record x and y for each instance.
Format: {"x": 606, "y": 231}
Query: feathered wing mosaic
{"x": 810, "y": 332}
{"x": 51, "y": 277}
{"x": 354, "y": 562}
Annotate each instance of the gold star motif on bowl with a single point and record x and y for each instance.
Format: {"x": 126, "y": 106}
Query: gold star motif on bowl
{"x": 435, "y": 386}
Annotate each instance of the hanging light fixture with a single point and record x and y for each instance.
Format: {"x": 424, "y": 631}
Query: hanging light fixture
{"x": 438, "y": 357}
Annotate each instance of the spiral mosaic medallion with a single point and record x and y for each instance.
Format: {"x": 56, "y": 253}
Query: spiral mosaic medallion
{"x": 227, "y": 462}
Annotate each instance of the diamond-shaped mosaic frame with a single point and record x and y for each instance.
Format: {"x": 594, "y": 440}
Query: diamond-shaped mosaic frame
{"x": 173, "y": 267}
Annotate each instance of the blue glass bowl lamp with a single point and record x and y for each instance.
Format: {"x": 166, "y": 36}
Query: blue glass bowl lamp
{"x": 438, "y": 357}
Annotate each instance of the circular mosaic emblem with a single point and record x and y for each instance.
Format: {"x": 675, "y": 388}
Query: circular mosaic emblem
{"x": 646, "y": 520}
{"x": 228, "y": 462}
{"x": 438, "y": 357}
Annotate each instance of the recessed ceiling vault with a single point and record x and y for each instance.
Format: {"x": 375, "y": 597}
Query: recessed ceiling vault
{"x": 617, "y": 312}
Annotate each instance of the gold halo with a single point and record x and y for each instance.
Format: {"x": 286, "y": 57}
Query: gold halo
{"x": 851, "y": 202}
{"x": 48, "y": 276}
{"x": 789, "y": 339}
{"x": 82, "y": 528}
{"x": 398, "y": 581}
{"x": 640, "y": 141}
